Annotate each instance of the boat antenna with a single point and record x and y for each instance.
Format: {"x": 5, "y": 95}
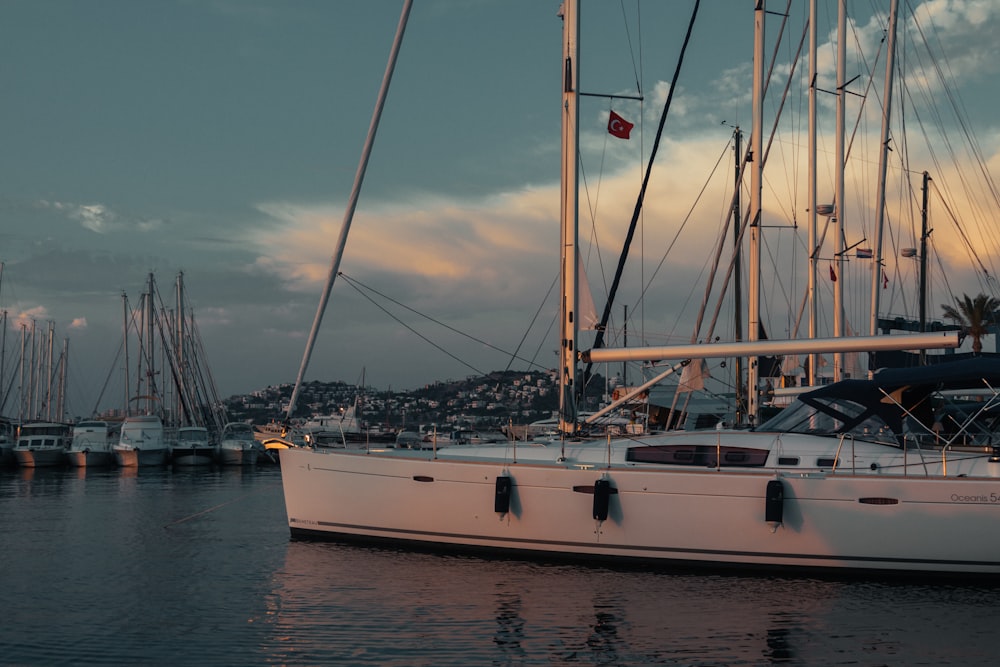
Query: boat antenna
{"x": 351, "y": 206}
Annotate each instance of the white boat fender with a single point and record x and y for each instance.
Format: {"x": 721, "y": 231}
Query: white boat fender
{"x": 774, "y": 503}
{"x": 602, "y": 499}
{"x": 501, "y": 497}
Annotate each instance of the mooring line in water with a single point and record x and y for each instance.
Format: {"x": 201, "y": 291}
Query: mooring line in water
{"x": 212, "y": 509}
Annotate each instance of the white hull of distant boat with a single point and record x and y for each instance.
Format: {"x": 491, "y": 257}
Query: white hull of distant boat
{"x": 192, "y": 447}
{"x": 40, "y": 457}
{"x": 142, "y": 443}
{"x": 238, "y": 454}
{"x": 42, "y": 445}
{"x": 827, "y": 519}
{"x": 93, "y": 445}
{"x": 238, "y": 445}
{"x": 191, "y": 456}
{"x": 90, "y": 459}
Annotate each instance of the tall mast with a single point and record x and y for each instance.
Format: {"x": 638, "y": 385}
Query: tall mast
{"x": 923, "y": 252}
{"x": 738, "y": 276}
{"x": 148, "y": 346}
{"x": 49, "y": 371}
{"x": 890, "y": 61}
{"x": 756, "y": 182}
{"x": 128, "y": 393}
{"x": 180, "y": 404}
{"x": 63, "y": 370}
{"x": 22, "y": 390}
{"x": 838, "y": 229}
{"x": 568, "y": 328}
{"x": 813, "y": 249}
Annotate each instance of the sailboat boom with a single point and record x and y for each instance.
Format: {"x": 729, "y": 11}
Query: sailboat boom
{"x": 928, "y": 341}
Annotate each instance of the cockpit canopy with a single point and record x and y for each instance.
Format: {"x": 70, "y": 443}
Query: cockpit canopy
{"x": 950, "y": 402}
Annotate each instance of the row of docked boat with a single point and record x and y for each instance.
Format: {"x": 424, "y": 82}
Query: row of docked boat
{"x": 136, "y": 441}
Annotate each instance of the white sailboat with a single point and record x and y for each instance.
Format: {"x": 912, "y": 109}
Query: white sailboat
{"x": 892, "y": 474}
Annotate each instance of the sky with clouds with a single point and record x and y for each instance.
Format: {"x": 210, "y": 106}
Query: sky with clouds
{"x": 219, "y": 138}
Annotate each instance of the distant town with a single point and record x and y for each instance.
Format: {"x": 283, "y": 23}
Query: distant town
{"x": 492, "y": 400}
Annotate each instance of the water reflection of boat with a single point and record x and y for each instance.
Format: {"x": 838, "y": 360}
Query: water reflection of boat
{"x": 511, "y": 612}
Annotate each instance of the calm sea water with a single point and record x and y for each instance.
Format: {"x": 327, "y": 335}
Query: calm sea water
{"x": 161, "y": 567}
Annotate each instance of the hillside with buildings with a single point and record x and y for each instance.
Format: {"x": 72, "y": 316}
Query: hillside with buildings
{"x": 494, "y": 400}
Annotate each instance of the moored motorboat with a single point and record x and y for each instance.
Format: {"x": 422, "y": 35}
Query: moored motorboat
{"x": 42, "y": 445}
{"x": 192, "y": 447}
{"x": 93, "y": 444}
{"x": 142, "y": 442}
{"x": 238, "y": 446}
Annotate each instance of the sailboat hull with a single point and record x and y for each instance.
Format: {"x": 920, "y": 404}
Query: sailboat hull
{"x": 709, "y": 517}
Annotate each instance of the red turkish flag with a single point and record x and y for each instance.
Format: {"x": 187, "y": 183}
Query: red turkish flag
{"x": 618, "y": 126}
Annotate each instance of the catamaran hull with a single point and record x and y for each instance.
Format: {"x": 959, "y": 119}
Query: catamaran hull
{"x": 703, "y": 517}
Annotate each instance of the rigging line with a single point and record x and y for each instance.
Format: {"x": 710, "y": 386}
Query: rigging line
{"x": 628, "y": 38}
{"x": 221, "y": 505}
{"x": 599, "y": 340}
{"x": 687, "y": 219}
{"x": 407, "y": 326}
{"x": 351, "y": 206}
{"x": 592, "y": 208}
{"x": 545, "y": 337}
{"x": 531, "y": 324}
{"x": 958, "y": 225}
{"x": 960, "y": 113}
{"x": 359, "y": 286}
{"x": 961, "y": 118}
{"x": 107, "y": 380}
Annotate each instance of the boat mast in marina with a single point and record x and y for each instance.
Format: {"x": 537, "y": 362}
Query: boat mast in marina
{"x": 345, "y": 227}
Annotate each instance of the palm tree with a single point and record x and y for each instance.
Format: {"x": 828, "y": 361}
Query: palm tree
{"x": 974, "y": 316}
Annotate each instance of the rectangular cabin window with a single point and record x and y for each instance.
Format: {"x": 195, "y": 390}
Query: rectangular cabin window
{"x": 826, "y": 463}
{"x": 788, "y": 460}
{"x": 698, "y": 455}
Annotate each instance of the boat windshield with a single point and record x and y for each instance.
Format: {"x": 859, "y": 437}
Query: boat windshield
{"x": 831, "y": 416}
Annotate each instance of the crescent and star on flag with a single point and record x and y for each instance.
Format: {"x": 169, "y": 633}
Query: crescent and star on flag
{"x": 618, "y": 126}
